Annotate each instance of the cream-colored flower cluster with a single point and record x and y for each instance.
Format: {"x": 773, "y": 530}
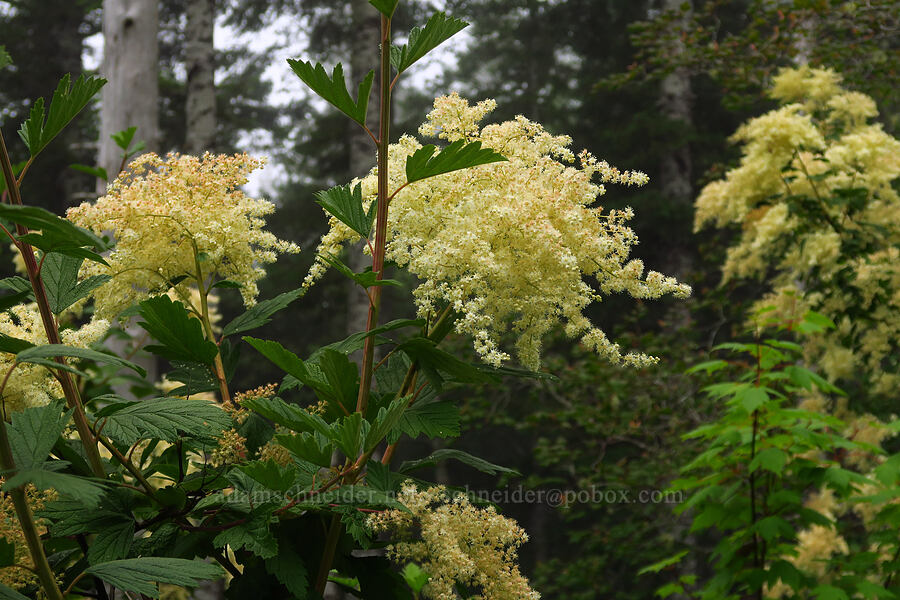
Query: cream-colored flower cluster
{"x": 22, "y": 574}
{"x": 814, "y": 197}
{"x": 164, "y": 212}
{"x": 815, "y": 545}
{"x": 508, "y": 245}
{"x": 33, "y": 385}
{"x": 456, "y": 543}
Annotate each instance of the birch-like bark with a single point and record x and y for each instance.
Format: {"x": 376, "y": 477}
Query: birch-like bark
{"x": 199, "y": 61}
{"x": 131, "y": 64}
{"x": 675, "y": 102}
{"x": 130, "y": 99}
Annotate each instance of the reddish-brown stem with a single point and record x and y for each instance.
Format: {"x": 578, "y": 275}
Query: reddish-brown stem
{"x": 397, "y": 191}
{"x": 380, "y": 215}
{"x": 40, "y": 265}
{"x": 3, "y": 385}
{"x": 70, "y": 391}
{"x": 10, "y": 235}
{"x": 26, "y": 520}
{"x": 371, "y": 135}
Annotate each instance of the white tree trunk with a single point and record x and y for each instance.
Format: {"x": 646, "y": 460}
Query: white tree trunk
{"x": 131, "y": 64}
{"x": 675, "y": 103}
{"x": 130, "y": 99}
{"x": 199, "y": 61}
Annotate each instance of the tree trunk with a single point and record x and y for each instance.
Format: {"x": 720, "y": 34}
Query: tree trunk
{"x": 130, "y": 63}
{"x": 199, "y": 61}
{"x": 675, "y": 103}
{"x": 675, "y": 181}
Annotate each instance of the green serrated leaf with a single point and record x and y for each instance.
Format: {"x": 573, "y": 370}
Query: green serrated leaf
{"x": 33, "y": 432}
{"x": 346, "y": 205}
{"x": 342, "y": 376}
{"x": 829, "y": 592}
{"x": 709, "y": 366}
{"x": 43, "y": 355}
{"x": 10, "y": 300}
{"x": 311, "y": 447}
{"x": 15, "y": 283}
{"x": 352, "y": 495}
{"x": 6, "y": 59}
{"x": 123, "y": 138}
{"x": 438, "y": 364}
{"x": 164, "y": 419}
{"x": 666, "y": 562}
{"x": 67, "y": 102}
{"x": 381, "y": 478}
{"x": 7, "y": 593}
{"x": 366, "y": 279}
{"x": 68, "y": 517}
{"x": 111, "y": 543}
{"x": 416, "y": 577}
{"x": 141, "y": 575}
{"x": 334, "y": 89}
{"x": 458, "y": 155}
{"x": 423, "y": 40}
{"x": 385, "y": 421}
{"x": 464, "y": 457}
{"x": 270, "y": 474}
{"x": 60, "y": 275}
{"x": 98, "y": 172}
{"x": 13, "y": 345}
{"x": 254, "y": 535}
{"x": 287, "y": 566}
{"x": 437, "y": 419}
{"x": 752, "y": 398}
{"x": 385, "y": 7}
{"x": 356, "y": 341}
{"x": 770, "y": 459}
{"x": 225, "y": 283}
{"x": 181, "y": 335}
{"x": 52, "y": 242}
{"x": 197, "y": 378}
{"x": 349, "y": 433}
{"x": 332, "y": 376}
{"x": 83, "y": 490}
{"x": 52, "y": 227}
{"x": 261, "y": 313}
{"x": 292, "y": 417}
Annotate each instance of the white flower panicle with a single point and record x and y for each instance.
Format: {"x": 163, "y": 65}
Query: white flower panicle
{"x": 817, "y": 155}
{"x": 33, "y": 385}
{"x": 162, "y": 210}
{"x": 508, "y": 245}
{"x": 456, "y": 543}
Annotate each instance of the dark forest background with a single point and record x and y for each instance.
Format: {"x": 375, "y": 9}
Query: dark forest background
{"x": 649, "y": 85}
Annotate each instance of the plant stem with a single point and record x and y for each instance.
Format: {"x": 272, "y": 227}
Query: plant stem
{"x": 73, "y": 398}
{"x": 757, "y": 559}
{"x": 334, "y": 534}
{"x": 26, "y": 520}
{"x": 135, "y": 472}
{"x": 218, "y": 366}
{"x": 384, "y": 140}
